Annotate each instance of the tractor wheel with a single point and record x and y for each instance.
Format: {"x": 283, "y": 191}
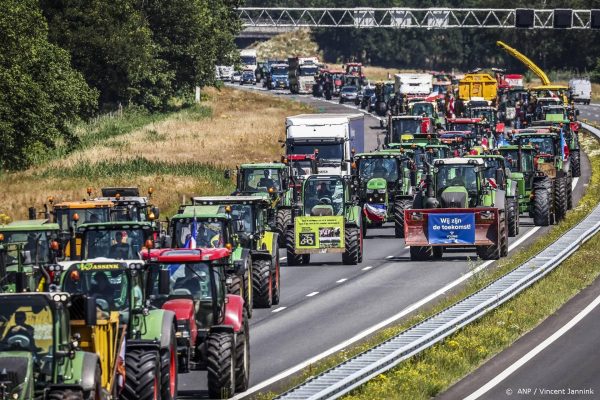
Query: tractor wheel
{"x": 248, "y": 290}
{"x": 360, "y": 249}
{"x": 242, "y": 354}
{"x": 560, "y": 198}
{"x": 168, "y": 369}
{"x": 305, "y": 259}
{"x": 351, "y": 254}
{"x": 489, "y": 252}
{"x": 97, "y": 392}
{"x": 438, "y": 252}
{"x": 142, "y": 379}
{"x": 364, "y": 225}
{"x": 512, "y": 215}
{"x": 541, "y": 204}
{"x": 276, "y": 280}
{"x": 283, "y": 219}
{"x": 235, "y": 287}
{"x": 575, "y": 164}
{"x": 220, "y": 360}
{"x": 570, "y": 193}
{"x": 504, "y": 241}
{"x": 66, "y": 394}
{"x": 262, "y": 283}
{"x": 399, "y": 207}
{"x": 421, "y": 253}
{"x": 293, "y": 259}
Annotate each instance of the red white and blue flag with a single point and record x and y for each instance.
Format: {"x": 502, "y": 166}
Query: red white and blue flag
{"x": 190, "y": 243}
{"x": 375, "y": 212}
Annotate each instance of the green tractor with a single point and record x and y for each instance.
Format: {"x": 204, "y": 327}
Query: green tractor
{"x": 520, "y": 162}
{"x": 250, "y": 214}
{"x": 385, "y": 190}
{"x": 40, "y": 356}
{"x": 457, "y": 207}
{"x": 129, "y": 337}
{"x": 212, "y": 326}
{"x": 128, "y": 204}
{"x": 196, "y": 227}
{"x": 273, "y": 179}
{"x": 570, "y": 132}
{"x": 327, "y": 220}
{"x": 551, "y": 194}
{"x": 26, "y": 247}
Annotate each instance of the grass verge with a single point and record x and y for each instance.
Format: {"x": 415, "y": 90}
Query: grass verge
{"x": 438, "y": 367}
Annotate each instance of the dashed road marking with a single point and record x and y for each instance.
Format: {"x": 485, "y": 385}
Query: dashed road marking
{"x": 367, "y": 268}
{"x": 278, "y": 309}
{"x": 341, "y": 280}
{"x": 312, "y": 294}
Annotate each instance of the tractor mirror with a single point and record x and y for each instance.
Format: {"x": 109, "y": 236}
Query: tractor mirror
{"x": 89, "y": 309}
{"x": 20, "y": 281}
{"x": 32, "y": 213}
{"x": 164, "y": 284}
{"x": 155, "y": 210}
{"x": 26, "y": 256}
{"x": 577, "y": 112}
{"x": 240, "y": 227}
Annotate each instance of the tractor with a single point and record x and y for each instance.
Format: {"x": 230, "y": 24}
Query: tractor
{"x": 457, "y": 207}
{"x": 118, "y": 240}
{"x": 520, "y": 161}
{"x": 551, "y": 187}
{"x": 249, "y": 214}
{"x": 299, "y": 167}
{"x": 570, "y": 130}
{"x": 128, "y": 204}
{"x": 212, "y": 326}
{"x": 399, "y": 126}
{"x": 385, "y": 190}
{"x": 148, "y": 360}
{"x": 195, "y": 226}
{"x": 26, "y": 247}
{"x": 40, "y": 356}
{"x": 326, "y": 220}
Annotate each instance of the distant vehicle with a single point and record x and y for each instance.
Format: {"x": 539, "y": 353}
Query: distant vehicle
{"x": 248, "y": 58}
{"x": 236, "y": 77}
{"x": 581, "y": 90}
{"x": 248, "y": 77}
{"x": 224, "y": 72}
{"x": 278, "y": 77}
{"x": 362, "y": 100}
{"x": 348, "y": 93}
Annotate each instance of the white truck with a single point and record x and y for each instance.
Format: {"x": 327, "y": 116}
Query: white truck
{"x": 333, "y": 138}
{"x": 302, "y": 72}
{"x": 413, "y": 84}
{"x": 225, "y": 72}
{"x": 248, "y": 58}
{"x": 581, "y": 90}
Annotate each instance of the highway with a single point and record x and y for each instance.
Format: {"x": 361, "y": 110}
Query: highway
{"x": 326, "y": 306}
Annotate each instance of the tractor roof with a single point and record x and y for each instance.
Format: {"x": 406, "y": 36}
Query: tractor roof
{"x": 464, "y": 120}
{"x": 209, "y": 200}
{"x": 484, "y": 156}
{"x": 381, "y": 154}
{"x": 125, "y": 200}
{"x": 263, "y": 166}
{"x": 407, "y": 117}
{"x": 115, "y": 225}
{"x": 454, "y": 133}
{"x": 85, "y": 204}
{"x": 30, "y": 226}
{"x": 122, "y": 191}
{"x": 101, "y": 264}
{"x": 186, "y": 255}
{"x": 458, "y": 161}
{"x": 199, "y": 212}
{"x": 535, "y": 134}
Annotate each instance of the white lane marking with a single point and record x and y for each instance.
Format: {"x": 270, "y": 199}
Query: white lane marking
{"x": 341, "y": 280}
{"x": 389, "y": 257}
{"x": 312, "y": 294}
{"x": 535, "y": 351}
{"x": 282, "y": 258}
{"x": 380, "y": 325}
{"x": 278, "y": 309}
{"x": 574, "y": 182}
{"x": 367, "y": 268}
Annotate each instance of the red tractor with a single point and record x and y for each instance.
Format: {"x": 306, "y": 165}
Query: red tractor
{"x": 212, "y": 326}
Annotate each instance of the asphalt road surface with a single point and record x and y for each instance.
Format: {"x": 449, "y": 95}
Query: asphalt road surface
{"x": 326, "y": 306}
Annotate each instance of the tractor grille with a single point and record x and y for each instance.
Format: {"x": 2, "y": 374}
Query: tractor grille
{"x": 454, "y": 200}
{"x": 16, "y": 370}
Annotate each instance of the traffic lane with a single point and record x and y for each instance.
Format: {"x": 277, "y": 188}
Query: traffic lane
{"x": 590, "y": 112}
{"x": 572, "y": 361}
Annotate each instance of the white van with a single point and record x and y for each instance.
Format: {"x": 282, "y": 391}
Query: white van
{"x": 581, "y": 89}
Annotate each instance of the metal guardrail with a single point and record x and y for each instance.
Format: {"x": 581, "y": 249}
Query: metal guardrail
{"x": 347, "y": 376}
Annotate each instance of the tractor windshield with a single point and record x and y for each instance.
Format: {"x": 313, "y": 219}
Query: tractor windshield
{"x": 423, "y": 108}
{"x": 326, "y": 151}
{"x": 386, "y": 168}
{"x": 130, "y": 212}
{"x": 26, "y": 324}
{"x": 35, "y": 245}
{"x": 261, "y": 179}
{"x": 193, "y": 233}
{"x": 492, "y": 164}
{"x": 456, "y": 175}
{"x": 64, "y": 216}
{"x": 404, "y": 126}
{"x": 512, "y": 158}
{"x": 122, "y": 243}
{"x": 325, "y": 195}
{"x": 486, "y": 114}
{"x": 542, "y": 144}
{"x": 243, "y": 214}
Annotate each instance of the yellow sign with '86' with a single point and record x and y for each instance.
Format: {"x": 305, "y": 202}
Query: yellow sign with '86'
{"x": 316, "y": 234}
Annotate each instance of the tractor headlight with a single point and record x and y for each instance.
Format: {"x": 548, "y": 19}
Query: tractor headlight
{"x": 183, "y": 329}
{"x": 369, "y": 190}
{"x": 486, "y": 215}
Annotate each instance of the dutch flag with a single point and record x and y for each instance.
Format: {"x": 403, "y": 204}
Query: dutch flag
{"x": 190, "y": 243}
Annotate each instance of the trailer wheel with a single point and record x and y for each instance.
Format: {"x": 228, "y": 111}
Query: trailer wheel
{"x": 220, "y": 360}
{"x": 66, "y": 394}
{"x": 262, "y": 283}
{"x": 168, "y": 369}
{"x": 560, "y": 198}
{"x": 293, "y": 259}
{"x": 575, "y": 163}
{"x": 399, "y": 207}
{"x": 541, "y": 203}
{"x": 242, "y": 353}
{"x": 421, "y": 253}
{"x": 351, "y": 254}
{"x": 283, "y": 219}
{"x": 142, "y": 379}
{"x": 438, "y": 252}
{"x": 512, "y": 215}
{"x": 490, "y": 252}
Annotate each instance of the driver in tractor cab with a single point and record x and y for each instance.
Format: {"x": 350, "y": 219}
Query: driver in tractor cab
{"x": 190, "y": 281}
{"x": 380, "y": 171}
{"x": 22, "y": 328}
{"x": 103, "y": 289}
{"x": 266, "y": 181}
{"x": 208, "y": 237}
{"x": 120, "y": 248}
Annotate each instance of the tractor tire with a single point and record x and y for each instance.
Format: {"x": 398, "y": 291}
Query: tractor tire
{"x": 421, "y": 253}
{"x": 512, "y": 215}
{"x": 570, "y": 193}
{"x": 437, "y": 252}
{"x": 235, "y": 287}
{"x": 364, "y": 225}
{"x": 399, "y": 207}
{"x": 283, "y": 219}
{"x": 262, "y": 284}
{"x": 560, "y": 198}
{"x": 293, "y": 259}
{"x": 142, "y": 380}
{"x": 220, "y": 360}
{"x": 351, "y": 255}
{"x": 575, "y": 164}
{"x": 248, "y": 290}
{"x": 541, "y": 204}
{"x": 242, "y": 354}
{"x": 276, "y": 280}
{"x": 504, "y": 241}
{"x": 66, "y": 394}
{"x": 490, "y": 252}
{"x": 169, "y": 369}
{"x": 305, "y": 259}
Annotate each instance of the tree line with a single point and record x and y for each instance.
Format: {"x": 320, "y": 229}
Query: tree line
{"x": 63, "y": 61}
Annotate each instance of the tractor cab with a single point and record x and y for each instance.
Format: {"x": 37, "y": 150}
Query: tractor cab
{"x": 117, "y": 240}
{"x": 459, "y": 183}
{"x": 26, "y": 247}
{"x": 554, "y": 113}
{"x": 129, "y": 205}
{"x": 324, "y": 195}
{"x": 194, "y": 227}
{"x": 300, "y": 166}
{"x": 400, "y": 126}
{"x": 458, "y": 141}
{"x": 269, "y": 178}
